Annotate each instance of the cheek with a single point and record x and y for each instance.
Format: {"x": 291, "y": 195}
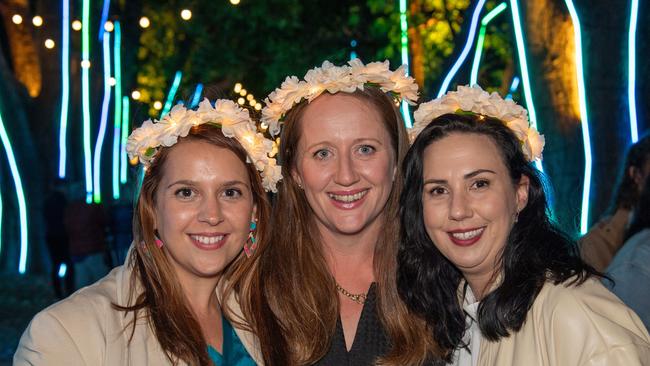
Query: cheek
{"x": 315, "y": 176}
{"x": 433, "y": 216}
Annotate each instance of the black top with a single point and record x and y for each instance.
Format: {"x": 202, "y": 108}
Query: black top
{"x": 370, "y": 340}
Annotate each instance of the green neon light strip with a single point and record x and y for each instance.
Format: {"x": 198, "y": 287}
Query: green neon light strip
{"x": 65, "y": 87}
{"x": 481, "y": 39}
{"x": 117, "y": 116}
{"x": 584, "y": 216}
{"x": 405, "y": 57}
{"x": 85, "y": 98}
{"x": 631, "y": 67}
{"x": 20, "y": 194}
{"x": 0, "y": 224}
{"x": 521, "y": 52}
{"x": 97, "y": 161}
{"x": 125, "y": 136}
{"x": 172, "y": 93}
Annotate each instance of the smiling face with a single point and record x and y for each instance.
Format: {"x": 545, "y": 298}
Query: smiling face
{"x": 203, "y": 208}
{"x": 470, "y": 202}
{"x": 345, "y": 163}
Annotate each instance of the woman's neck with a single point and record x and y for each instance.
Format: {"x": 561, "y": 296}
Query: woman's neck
{"x": 351, "y": 255}
{"x": 200, "y": 293}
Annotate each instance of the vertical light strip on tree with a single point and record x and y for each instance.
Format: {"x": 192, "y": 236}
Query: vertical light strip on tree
{"x": 404, "y": 40}
{"x": 523, "y": 64}
{"x": 353, "y": 53}
{"x": 117, "y": 115}
{"x": 465, "y": 51}
{"x": 0, "y": 223}
{"x": 513, "y": 87}
{"x": 481, "y": 38}
{"x": 65, "y": 87}
{"x": 584, "y": 215}
{"x": 125, "y": 136}
{"x": 103, "y": 120}
{"x": 196, "y": 98}
{"x": 20, "y": 195}
{"x": 172, "y": 93}
{"x": 631, "y": 67}
{"x": 105, "y": 9}
{"x": 85, "y": 97}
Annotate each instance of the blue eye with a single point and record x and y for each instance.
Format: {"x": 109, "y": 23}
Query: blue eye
{"x": 322, "y": 154}
{"x": 366, "y": 149}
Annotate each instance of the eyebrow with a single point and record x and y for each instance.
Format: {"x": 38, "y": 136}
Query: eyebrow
{"x": 469, "y": 175}
{"x": 193, "y": 183}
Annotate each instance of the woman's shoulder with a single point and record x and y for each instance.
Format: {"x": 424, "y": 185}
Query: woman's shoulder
{"x": 68, "y": 329}
{"x": 587, "y": 310}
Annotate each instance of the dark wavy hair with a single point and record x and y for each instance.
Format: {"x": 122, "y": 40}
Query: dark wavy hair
{"x": 627, "y": 190}
{"x": 641, "y": 218}
{"x": 536, "y": 251}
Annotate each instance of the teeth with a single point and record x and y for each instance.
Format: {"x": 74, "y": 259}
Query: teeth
{"x": 468, "y": 234}
{"x": 207, "y": 239}
{"x": 348, "y": 197}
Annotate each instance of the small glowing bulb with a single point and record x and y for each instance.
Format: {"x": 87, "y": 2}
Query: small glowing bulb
{"x": 249, "y": 97}
{"x": 85, "y": 64}
{"x": 252, "y": 102}
{"x": 17, "y": 19}
{"x": 37, "y": 21}
{"x": 243, "y": 92}
{"x": 109, "y": 26}
{"x": 136, "y": 95}
{"x": 157, "y": 105}
{"x": 186, "y": 14}
{"x": 258, "y": 107}
{"x": 76, "y": 25}
{"x": 144, "y": 22}
{"x": 49, "y": 44}
{"x": 112, "y": 81}
{"x": 264, "y": 125}
{"x": 134, "y": 161}
{"x": 237, "y": 87}
{"x": 241, "y": 101}
{"x": 234, "y": 2}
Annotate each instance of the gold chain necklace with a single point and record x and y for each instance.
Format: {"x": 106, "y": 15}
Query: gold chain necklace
{"x": 358, "y": 298}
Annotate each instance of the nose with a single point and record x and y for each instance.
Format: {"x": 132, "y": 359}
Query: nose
{"x": 459, "y": 207}
{"x": 210, "y": 212}
{"x": 346, "y": 172}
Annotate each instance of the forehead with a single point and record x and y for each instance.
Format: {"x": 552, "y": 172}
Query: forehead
{"x": 202, "y": 161}
{"x": 340, "y": 117}
{"x": 462, "y": 153}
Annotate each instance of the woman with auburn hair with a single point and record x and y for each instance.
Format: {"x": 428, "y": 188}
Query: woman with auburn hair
{"x": 482, "y": 262}
{"x": 174, "y": 301}
{"x": 327, "y": 279}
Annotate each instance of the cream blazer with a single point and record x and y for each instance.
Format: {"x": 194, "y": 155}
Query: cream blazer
{"x": 84, "y": 329}
{"x": 573, "y": 326}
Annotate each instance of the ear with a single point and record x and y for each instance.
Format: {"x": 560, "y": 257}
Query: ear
{"x": 254, "y": 213}
{"x": 522, "y": 192}
{"x": 296, "y": 177}
{"x": 635, "y": 173}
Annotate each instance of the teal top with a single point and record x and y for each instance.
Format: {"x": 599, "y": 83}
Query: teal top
{"x": 234, "y": 353}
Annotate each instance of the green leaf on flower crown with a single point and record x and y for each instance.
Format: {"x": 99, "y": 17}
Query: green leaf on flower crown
{"x": 150, "y": 151}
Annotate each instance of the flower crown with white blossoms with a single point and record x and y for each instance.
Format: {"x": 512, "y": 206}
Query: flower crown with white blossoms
{"x": 235, "y": 122}
{"x": 333, "y": 79}
{"x": 475, "y": 100}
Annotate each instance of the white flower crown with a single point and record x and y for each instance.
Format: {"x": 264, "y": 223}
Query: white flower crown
{"x": 476, "y": 100}
{"x": 235, "y": 122}
{"x": 333, "y": 79}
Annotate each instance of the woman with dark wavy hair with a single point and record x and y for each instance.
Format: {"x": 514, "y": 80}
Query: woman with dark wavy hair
{"x": 480, "y": 260}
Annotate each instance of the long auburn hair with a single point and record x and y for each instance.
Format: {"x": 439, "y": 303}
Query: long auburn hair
{"x": 536, "y": 251}
{"x": 154, "y": 288}
{"x": 297, "y": 315}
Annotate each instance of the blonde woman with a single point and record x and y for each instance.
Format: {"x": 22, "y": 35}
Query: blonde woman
{"x": 201, "y": 208}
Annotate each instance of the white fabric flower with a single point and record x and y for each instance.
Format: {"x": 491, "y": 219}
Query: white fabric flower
{"x": 335, "y": 79}
{"x": 476, "y": 100}
{"x": 234, "y": 121}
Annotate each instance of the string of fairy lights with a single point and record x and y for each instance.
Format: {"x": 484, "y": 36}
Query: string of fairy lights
{"x": 110, "y": 34}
